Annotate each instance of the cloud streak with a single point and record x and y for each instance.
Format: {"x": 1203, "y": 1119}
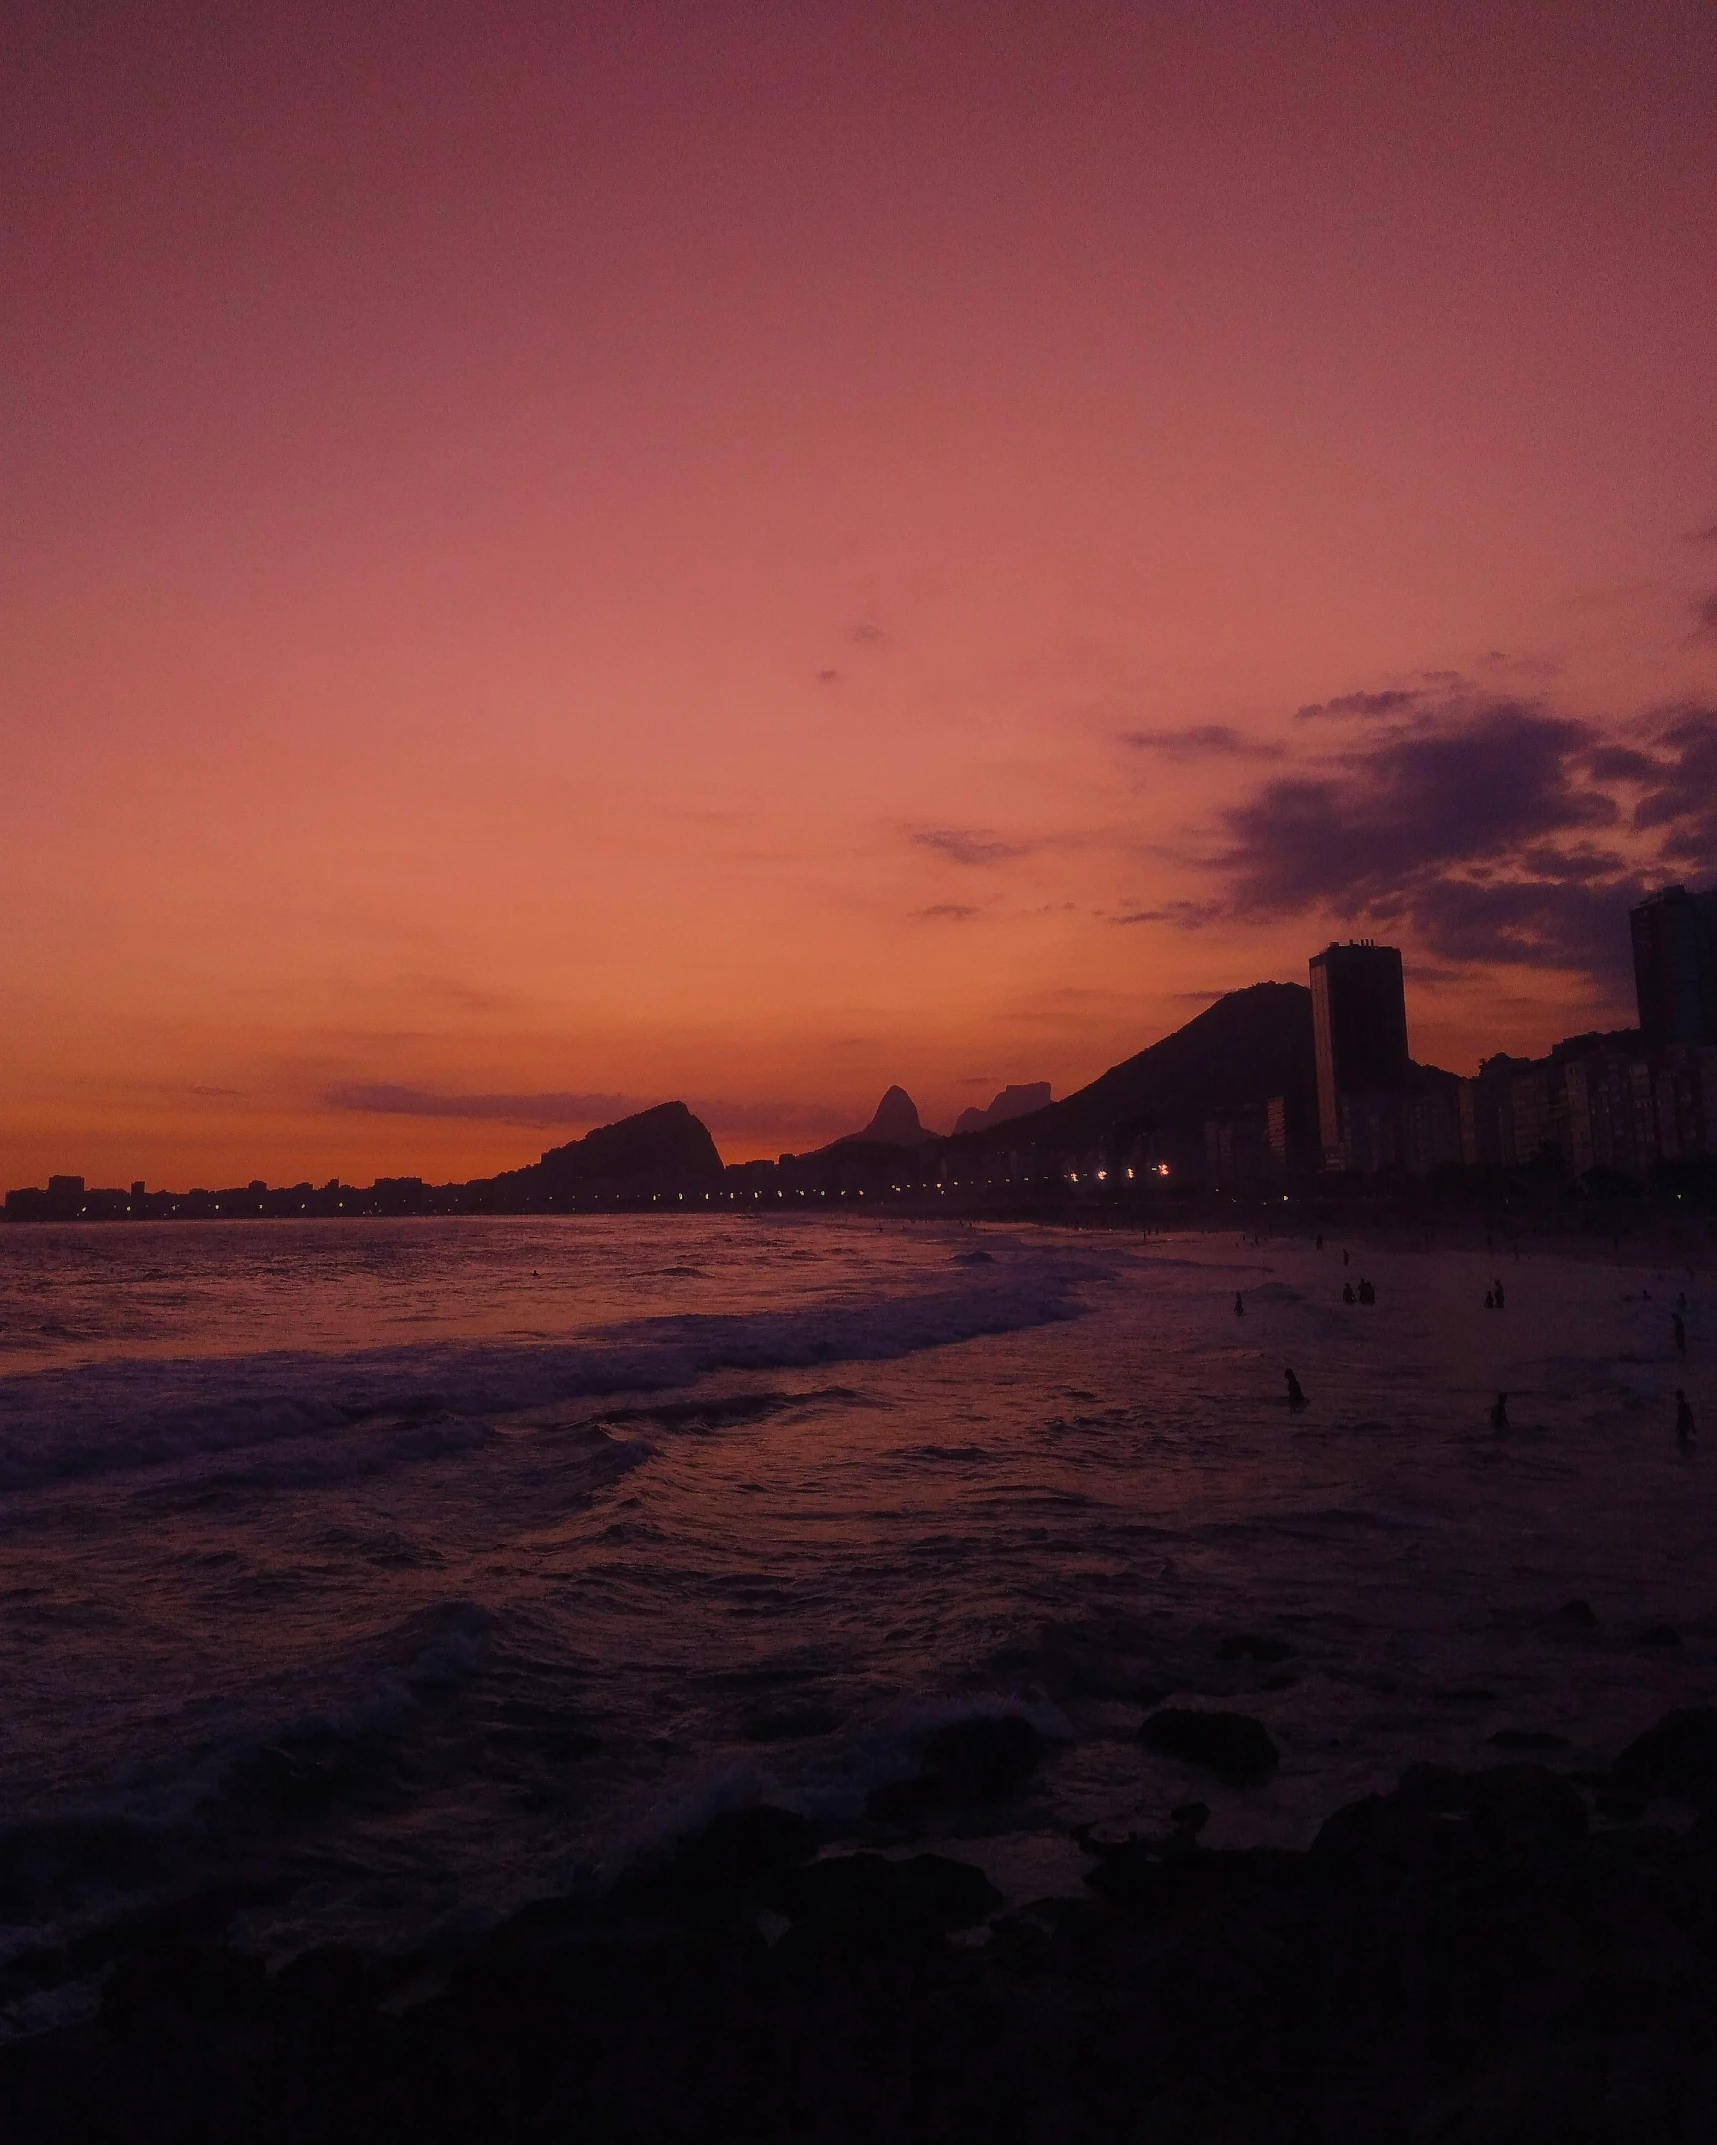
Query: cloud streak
{"x": 1202, "y": 741}
{"x": 572, "y": 1110}
{"x": 385, "y": 1099}
{"x": 970, "y": 845}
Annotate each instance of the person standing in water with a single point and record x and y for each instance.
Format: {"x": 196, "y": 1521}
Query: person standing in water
{"x": 1499, "y": 1412}
{"x": 1296, "y": 1392}
{"x": 1239, "y": 1305}
{"x": 1489, "y": 1301}
{"x": 1678, "y": 1327}
{"x": 1499, "y": 1295}
{"x": 1683, "y": 1419}
{"x": 1347, "y": 1295}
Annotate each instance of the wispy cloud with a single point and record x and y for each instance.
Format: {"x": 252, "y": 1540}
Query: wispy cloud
{"x": 1187, "y": 914}
{"x": 947, "y": 912}
{"x": 1395, "y": 700}
{"x": 566, "y": 1112}
{"x": 384, "y": 1099}
{"x": 970, "y": 845}
{"x": 1202, "y": 741}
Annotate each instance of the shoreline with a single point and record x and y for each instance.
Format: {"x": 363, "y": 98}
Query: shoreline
{"x": 1502, "y": 1954}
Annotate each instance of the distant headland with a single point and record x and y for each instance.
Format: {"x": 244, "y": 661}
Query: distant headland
{"x": 1274, "y": 1089}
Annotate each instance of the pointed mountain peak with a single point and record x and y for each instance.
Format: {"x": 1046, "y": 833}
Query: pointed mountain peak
{"x": 896, "y": 1121}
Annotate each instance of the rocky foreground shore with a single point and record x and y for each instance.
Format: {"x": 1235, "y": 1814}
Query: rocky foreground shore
{"x": 1508, "y": 1954}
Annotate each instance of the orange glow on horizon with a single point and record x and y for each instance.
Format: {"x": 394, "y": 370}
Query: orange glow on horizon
{"x": 562, "y": 559}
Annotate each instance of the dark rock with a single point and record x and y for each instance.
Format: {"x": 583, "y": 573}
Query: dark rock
{"x": 1456, "y": 1960}
{"x": 951, "y": 1894}
{"x": 1252, "y": 1646}
{"x": 907, "y": 1802}
{"x": 739, "y": 1860}
{"x": 1576, "y": 1616}
{"x": 1527, "y": 1739}
{"x": 1676, "y": 1757}
{"x": 1616, "y": 2003}
{"x": 974, "y": 1258}
{"x": 1439, "y": 1821}
{"x": 1234, "y": 1746}
{"x": 983, "y": 1759}
{"x": 206, "y": 1982}
{"x": 1660, "y": 1635}
{"x": 1149, "y": 1695}
{"x": 1190, "y": 1816}
{"x": 296, "y": 1782}
{"x": 1620, "y": 1809}
{"x": 850, "y": 1904}
{"x": 332, "y": 1977}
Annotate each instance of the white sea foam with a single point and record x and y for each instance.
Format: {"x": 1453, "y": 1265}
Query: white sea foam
{"x": 353, "y": 1413}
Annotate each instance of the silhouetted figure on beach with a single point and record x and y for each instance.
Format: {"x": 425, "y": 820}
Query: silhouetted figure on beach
{"x": 1344, "y": 1258}
{"x": 1367, "y": 1294}
{"x": 1683, "y": 1419}
{"x": 1501, "y": 1300}
{"x": 1347, "y": 1292}
{"x": 1678, "y": 1326}
{"x": 1320, "y": 1243}
{"x": 1499, "y": 1412}
{"x": 1681, "y": 1301}
{"x": 1296, "y": 1392}
{"x": 1489, "y": 1300}
{"x": 1239, "y": 1305}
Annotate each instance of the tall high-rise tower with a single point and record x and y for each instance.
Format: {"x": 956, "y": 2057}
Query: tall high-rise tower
{"x": 1675, "y": 965}
{"x": 1359, "y": 1027}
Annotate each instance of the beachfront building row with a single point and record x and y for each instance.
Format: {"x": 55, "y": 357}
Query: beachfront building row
{"x": 1618, "y": 1102}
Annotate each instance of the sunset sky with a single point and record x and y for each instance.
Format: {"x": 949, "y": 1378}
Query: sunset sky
{"x": 553, "y": 557}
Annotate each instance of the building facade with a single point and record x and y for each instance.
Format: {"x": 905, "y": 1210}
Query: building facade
{"x": 1359, "y": 1031}
{"x": 1674, "y": 937}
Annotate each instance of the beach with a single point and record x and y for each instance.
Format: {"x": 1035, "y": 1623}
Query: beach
{"x": 380, "y": 1582}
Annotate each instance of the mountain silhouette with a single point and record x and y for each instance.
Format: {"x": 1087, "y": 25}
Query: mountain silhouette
{"x": 895, "y": 1123}
{"x": 1248, "y": 1046}
{"x": 666, "y": 1147}
{"x": 1016, "y": 1100}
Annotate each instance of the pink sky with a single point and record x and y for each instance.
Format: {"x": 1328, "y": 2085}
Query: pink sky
{"x": 617, "y": 552}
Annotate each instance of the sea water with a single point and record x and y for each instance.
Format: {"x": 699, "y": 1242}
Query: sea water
{"x": 377, "y": 1577}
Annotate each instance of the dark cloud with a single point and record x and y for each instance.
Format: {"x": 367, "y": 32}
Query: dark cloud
{"x": 382, "y": 1099}
{"x": 1187, "y": 914}
{"x": 947, "y": 912}
{"x": 1681, "y": 800}
{"x": 1397, "y": 701}
{"x": 1202, "y": 741}
{"x": 1705, "y": 618}
{"x": 969, "y": 845}
{"x": 1620, "y": 763}
{"x": 1485, "y": 828}
{"x": 827, "y": 677}
{"x": 868, "y": 635}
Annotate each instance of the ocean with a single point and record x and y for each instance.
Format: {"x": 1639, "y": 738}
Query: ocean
{"x": 370, "y": 1579}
